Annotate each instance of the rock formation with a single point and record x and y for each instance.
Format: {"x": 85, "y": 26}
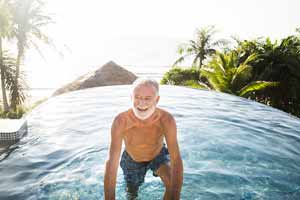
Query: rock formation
{"x": 108, "y": 74}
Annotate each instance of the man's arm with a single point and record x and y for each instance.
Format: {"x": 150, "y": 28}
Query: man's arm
{"x": 112, "y": 164}
{"x": 176, "y": 162}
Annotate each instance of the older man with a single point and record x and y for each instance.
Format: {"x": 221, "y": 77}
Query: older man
{"x": 143, "y": 129}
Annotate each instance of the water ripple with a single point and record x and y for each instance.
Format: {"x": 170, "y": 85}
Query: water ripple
{"x": 232, "y": 148}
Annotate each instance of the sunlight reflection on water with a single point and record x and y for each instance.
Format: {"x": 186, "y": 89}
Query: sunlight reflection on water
{"x": 232, "y": 148}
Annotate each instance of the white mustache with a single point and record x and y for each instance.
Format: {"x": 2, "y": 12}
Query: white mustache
{"x": 142, "y": 108}
{"x": 143, "y": 114}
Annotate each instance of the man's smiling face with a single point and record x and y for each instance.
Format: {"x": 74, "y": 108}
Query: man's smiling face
{"x": 144, "y": 99}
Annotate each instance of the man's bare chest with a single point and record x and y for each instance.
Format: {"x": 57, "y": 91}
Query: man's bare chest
{"x": 143, "y": 135}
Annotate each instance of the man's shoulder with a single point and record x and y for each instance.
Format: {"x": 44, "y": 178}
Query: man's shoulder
{"x": 120, "y": 117}
{"x": 165, "y": 115}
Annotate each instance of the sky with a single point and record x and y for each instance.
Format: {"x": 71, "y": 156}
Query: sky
{"x": 144, "y": 33}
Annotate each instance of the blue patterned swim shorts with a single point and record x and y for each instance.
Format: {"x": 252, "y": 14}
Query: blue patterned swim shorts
{"x": 134, "y": 172}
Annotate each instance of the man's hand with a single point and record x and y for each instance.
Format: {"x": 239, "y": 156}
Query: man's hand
{"x": 111, "y": 166}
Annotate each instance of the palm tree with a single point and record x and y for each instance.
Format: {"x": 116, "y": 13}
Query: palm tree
{"x": 226, "y": 74}
{"x": 202, "y": 47}
{"x": 9, "y": 72}
{"x": 5, "y": 30}
{"x": 28, "y": 19}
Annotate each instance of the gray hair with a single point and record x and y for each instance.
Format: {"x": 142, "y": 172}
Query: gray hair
{"x": 146, "y": 81}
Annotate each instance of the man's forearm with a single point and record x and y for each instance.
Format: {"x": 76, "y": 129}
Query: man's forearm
{"x": 176, "y": 179}
{"x": 109, "y": 182}
{"x": 109, "y": 192}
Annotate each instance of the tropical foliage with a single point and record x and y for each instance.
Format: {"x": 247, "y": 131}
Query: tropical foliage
{"x": 259, "y": 69}
{"x": 28, "y": 20}
{"x": 226, "y": 74}
{"x": 9, "y": 74}
{"x": 202, "y": 47}
{"x": 5, "y": 30}
{"x": 277, "y": 61}
{"x": 21, "y": 23}
{"x": 178, "y": 76}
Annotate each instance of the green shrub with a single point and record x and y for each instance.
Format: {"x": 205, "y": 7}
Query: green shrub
{"x": 194, "y": 84}
{"x": 21, "y": 110}
{"x": 13, "y": 114}
{"x": 179, "y": 76}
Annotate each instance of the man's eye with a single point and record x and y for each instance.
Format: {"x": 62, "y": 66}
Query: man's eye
{"x": 141, "y": 98}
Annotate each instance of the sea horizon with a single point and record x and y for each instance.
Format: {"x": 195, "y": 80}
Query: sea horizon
{"x": 39, "y": 93}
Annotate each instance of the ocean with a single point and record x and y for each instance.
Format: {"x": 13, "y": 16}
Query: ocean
{"x": 155, "y": 72}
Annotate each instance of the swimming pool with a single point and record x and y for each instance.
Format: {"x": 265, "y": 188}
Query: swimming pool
{"x": 232, "y": 148}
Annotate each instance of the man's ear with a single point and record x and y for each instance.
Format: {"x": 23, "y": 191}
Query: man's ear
{"x": 157, "y": 99}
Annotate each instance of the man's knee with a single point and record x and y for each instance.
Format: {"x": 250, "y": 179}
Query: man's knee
{"x": 132, "y": 191}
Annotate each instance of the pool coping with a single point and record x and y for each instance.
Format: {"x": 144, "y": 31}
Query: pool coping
{"x": 12, "y": 129}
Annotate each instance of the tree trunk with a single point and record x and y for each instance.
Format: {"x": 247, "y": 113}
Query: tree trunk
{"x": 18, "y": 63}
{"x": 4, "y": 97}
{"x": 200, "y": 64}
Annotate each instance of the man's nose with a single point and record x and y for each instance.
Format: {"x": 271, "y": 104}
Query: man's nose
{"x": 143, "y": 101}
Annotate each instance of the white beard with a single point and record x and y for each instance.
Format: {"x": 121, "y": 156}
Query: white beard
{"x": 143, "y": 115}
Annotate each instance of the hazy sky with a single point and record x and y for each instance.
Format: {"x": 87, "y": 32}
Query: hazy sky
{"x": 147, "y": 33}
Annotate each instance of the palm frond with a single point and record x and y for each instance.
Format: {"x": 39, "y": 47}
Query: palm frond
{"x": 250, "y": 59}
{"x": 5, "y": 20}
{"x": 181, "y": 59}
{"x": 204, "y": 85}
{"x": 256, "y": 86}
{"x": 242, "y": 74}
{"x": 215, "y": 79}
{"x": 16, "y": 90}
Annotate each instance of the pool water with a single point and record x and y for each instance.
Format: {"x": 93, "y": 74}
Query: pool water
{"x": 232, "y": 148}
